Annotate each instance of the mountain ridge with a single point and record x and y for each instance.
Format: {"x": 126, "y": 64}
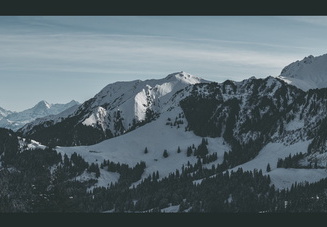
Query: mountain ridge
{"x": 308, "y": 73}
{"x": 245, "y": 117}
{"x": 121, "y": 106}
{"x": 4, "y": 113}
{"x": 259, "y": 145}
{"x": 15, "y": 120}
{"x": 242, "y": 127}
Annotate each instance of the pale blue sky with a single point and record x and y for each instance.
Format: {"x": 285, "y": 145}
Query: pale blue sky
{"x": 60, "y": 58}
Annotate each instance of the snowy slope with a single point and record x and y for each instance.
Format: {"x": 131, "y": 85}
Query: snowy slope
{"x": 281, "y": 177}
{"x": 132, "y": 99}
{"x": 293, "y": 117}
{"x": 156, "y": 136}
{"x": 309, "y": 73}
{"x": 16, "y": 120}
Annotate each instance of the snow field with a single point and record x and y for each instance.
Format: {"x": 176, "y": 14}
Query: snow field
{"x": 281, "y": 177}
{"x": 157, "y": 137}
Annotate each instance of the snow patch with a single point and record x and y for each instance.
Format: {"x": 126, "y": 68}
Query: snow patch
{"x": 284, "y": 178}
{"x": 90, "y": 121}
{"x": 104, "y": 180}
{"x": 295, "y": 124}
{"x": 280, "y": 177}
{"x": 97, "y": 117}
{"x": 24, "y": 145}
{"x": 170, "y": 209}
{"x": 271, "y": 153}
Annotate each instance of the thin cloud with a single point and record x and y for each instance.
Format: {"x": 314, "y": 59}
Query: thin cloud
{"x": 103, "y": 53}
{"x": 315, "y": 20}
{"x": 39, "y": 53}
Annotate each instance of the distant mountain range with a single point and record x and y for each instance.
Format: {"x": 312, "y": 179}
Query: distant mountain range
{"x": 15, "y": 120}
{"x": 4, "y": 113}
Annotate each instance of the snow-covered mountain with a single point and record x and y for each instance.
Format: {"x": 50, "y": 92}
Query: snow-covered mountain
{"x": 16, "y": 120}
{"x": 130, "y": 101}
{"x": 249, "y": 124}
{"x": 116, "y": 109}
{"x": 4, "y": 113}
{"x": 254, "y": 121}
{"x": 309, "y": 73}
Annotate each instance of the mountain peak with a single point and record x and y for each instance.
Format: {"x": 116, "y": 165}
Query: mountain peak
{"x": 308, "y": 59}
{"x": 184, "y": 77}
{"x": 42, "y": 104}
{"x": 309, "y": 73}
{"x": 42, "y": 109}
{"x": 177, "y": 74}
{"x": 73, "y": 102}
{"x": 4, "y": 112}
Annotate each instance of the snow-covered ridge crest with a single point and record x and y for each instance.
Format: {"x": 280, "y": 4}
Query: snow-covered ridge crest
{"x": 118, "y": 108}
{"x": 121, "y": 91}
{"x": 309, "y": 73}
{"x": 132, "y": 99}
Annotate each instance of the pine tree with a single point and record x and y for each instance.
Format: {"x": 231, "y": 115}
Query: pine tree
{"x": 146, "y": 150}
{"x": 165, "y": 154}
{"x": 189, "y": 151}
{"x": 66, "y": 161}
{"x": 202, "y": 150}
{"x": 178, "y": 150}
{"x": 280, "y": 163}
{"x": 97, "y": 171}
{"x": 204, "y": 141}
{"x": 268, "y": 168}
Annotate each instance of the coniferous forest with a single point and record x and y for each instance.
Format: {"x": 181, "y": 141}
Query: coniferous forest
{"x": 43, "y": 180}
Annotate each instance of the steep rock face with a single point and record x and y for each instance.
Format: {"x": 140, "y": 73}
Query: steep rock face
{"x": 118, "y": 105}
{"x": 246, "y": 114}
{"x": 118, "y": 108}
{"x": 309, "y": 73}
{"x": 252, "y": 113}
